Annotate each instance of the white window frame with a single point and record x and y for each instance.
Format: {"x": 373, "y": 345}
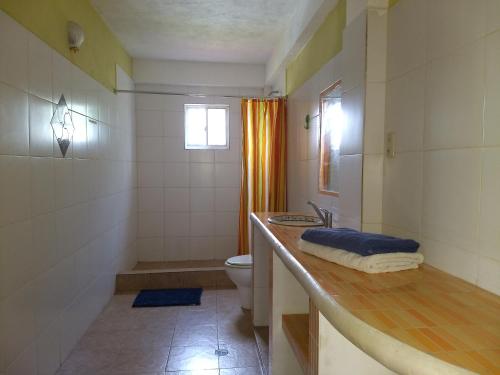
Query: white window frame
{"x": 207, "y": 146}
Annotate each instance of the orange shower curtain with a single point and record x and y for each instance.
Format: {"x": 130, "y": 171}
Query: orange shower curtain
{"x": 263, "y": 181}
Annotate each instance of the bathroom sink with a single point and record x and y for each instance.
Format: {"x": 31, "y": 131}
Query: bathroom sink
{"x": 296, "y": 220}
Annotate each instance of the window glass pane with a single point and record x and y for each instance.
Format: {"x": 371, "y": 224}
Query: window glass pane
{"x": 217, "y": 126}
{"x": 196, "y": 126}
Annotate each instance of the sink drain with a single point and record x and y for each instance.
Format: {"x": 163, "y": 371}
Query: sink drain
{"x": 221, "y": 352}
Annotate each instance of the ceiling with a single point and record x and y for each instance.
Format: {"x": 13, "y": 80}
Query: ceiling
{"x": 239, "y": 31}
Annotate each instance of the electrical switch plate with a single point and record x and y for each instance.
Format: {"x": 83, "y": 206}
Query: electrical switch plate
{"x": 390, "y": 145}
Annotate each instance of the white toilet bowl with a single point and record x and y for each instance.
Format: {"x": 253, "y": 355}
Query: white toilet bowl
{"x": 239, "y": 270}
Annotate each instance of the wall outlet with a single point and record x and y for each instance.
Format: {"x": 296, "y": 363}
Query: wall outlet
{"x": 390, "y": 145}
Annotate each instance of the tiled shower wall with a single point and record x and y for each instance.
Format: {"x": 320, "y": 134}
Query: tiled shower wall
{"x": 303, "y": 163}
{"x": 66, "y": 224}
{"x": 442, "y": 103}
{"x": 188, "y": 199}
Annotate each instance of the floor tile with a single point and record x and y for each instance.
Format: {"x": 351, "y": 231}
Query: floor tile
{"x": 240, "y": 355}
{"x": 147, "y": 338}
{"x": 192, "y": 358}
{"x": 89, "y": 361}
{"x": 195, "y": 372}
{"x": 199, "y": 335}
{"x": 241, "y": 371}
{"x": 141, "y": 360}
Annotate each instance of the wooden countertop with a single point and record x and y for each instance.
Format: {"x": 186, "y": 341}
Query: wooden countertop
{"x": 426, "y": 309}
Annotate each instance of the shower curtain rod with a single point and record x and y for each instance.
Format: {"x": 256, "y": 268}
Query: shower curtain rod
{"x": 196, "y": 95}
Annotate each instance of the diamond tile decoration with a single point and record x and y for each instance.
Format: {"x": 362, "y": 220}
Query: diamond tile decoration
{"x": 62, "y": 125}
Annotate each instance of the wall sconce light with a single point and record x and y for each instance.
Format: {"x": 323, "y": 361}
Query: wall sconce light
{"x": 76, "y": 36}
{"x": 62, "y": 125}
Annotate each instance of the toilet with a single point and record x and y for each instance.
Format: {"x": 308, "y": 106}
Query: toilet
{"x": 239, "y": 270}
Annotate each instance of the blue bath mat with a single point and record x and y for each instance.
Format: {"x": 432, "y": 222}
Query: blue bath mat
{"x": 168, "y": 297}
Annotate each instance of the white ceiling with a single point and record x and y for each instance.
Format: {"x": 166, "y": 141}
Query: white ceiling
{"x": 239, "y": 31}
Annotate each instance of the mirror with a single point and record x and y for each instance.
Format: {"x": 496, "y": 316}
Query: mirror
{"x": 331, "y": 124}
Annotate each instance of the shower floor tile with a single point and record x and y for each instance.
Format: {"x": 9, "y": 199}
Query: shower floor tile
{"x": 168, "y": 340}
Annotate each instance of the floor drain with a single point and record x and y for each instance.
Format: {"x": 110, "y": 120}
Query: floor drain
{"x": 221, "y": 352}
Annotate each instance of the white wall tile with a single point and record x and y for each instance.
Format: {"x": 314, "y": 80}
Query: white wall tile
{"x": 173, "y": 123}
{"x": 151, "y": 199}
{"x": 456, "y": 261}
{"x": 231, "y": 155}
{"x": 492, "y": 90}
{"x": 227, "y": 175}
{"x": 449, "y": 177}
{"x": 47, "y": 346}
{"x": 489, "y": 274}
{"x": 176, "y": 175}
{"x": 152, "y": 174}
{"x": 492, "y": 15}
{"x": 405, "y": 110}
{"x": 174, "y": 150}
{"x": 176, "y": 224}
{"x": 177, "y": 199}
{"x": 149, "y": 123}
{"x": 453, "y": 23}
{"x": 14, "y": 61}
{"x": 15, "y": 202}
{"x": 43, "y": 196}
{"x": 150, "y": 149}
{"x": 372, "y": 188}
{"x": 226, "y": 223}
{"x": 373, "y": 137}
{"x": 202, "y": 175}
{"x": 407, "y": 21}
{"x": 64, "y": 182}
{"x": 227, "y": 199}
{"x": 402, "y": 202}
{"x": 39, "y": 68}
{"x": 350, "y": 188}
{"x": 201, "y": 248}
{"x": 226, "y": 247}
{"x": 150, "y": 224}
{"x": 202, "y": 199}
{"x": 176, "y": 248}
{"x": 25, "y": 363}
{"x": 14, "y": 129}
{"x": 489, "y": 235}
{"x": 201, "y": 224}
{"x": 18, "y": 323}
{"x": 352, "y": 134}
{"x": 454, "y": 115}
{"x": 150, "y": 249}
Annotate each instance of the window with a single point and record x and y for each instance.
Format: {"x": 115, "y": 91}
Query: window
{"x": 206, "y": 126}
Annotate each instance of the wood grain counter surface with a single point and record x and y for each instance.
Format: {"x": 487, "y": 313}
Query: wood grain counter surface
{"x": 425, "y": 309}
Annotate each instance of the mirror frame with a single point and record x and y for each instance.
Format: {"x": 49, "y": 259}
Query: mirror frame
{"x": 321, "y": 177}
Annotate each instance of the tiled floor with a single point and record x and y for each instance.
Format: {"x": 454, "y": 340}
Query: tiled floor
{"x": 172, "y": 340}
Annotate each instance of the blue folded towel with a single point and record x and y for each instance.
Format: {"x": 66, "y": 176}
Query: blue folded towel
{"x": 359, "y": 242}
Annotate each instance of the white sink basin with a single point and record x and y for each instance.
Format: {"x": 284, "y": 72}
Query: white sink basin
{"x": 296, "y": 220}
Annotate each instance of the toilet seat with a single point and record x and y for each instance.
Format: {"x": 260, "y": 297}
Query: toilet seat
{"x": 240, "y": 261}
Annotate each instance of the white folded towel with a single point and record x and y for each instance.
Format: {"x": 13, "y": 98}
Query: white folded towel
{"x": 378, "y": 263}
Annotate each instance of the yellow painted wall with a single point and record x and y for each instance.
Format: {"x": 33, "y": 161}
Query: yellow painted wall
{"x": 392, "y": 3}
{"x": 47, "y": 19}
{"x": 321, "y": 48}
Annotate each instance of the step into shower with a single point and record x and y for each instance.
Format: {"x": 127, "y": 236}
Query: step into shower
{"x": 208, "y": 274}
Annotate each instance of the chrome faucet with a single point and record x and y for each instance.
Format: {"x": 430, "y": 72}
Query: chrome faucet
{"x": 325, "y": 215}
